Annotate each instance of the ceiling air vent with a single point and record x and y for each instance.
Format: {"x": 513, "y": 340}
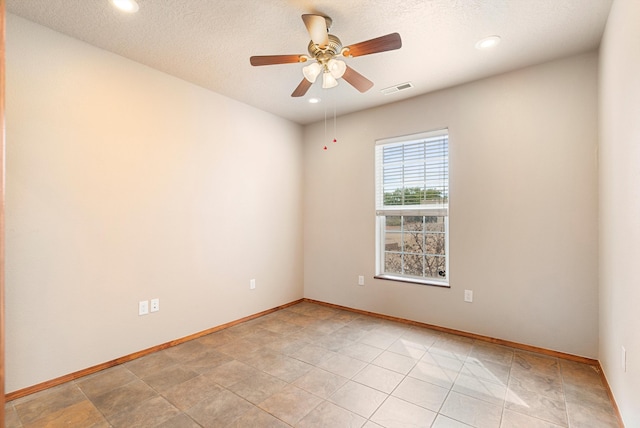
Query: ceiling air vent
{"x": 396, "y": 88}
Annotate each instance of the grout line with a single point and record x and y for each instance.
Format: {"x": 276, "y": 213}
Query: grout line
{"x": 506, "y": 393}
{"x": 564, "y": 394}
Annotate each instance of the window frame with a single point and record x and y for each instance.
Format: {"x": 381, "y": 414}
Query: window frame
{"x": 423, "y": 210}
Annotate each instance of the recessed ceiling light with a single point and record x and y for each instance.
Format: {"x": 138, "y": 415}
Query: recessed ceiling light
{"x": 314, "y": 100}
{"x": 129, "y": 6}
{"x": 488, "y": 42}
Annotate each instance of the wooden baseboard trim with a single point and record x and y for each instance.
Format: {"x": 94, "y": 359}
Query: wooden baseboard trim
{"x": 488, "y": 339}
{"x": 605, "y": 382}
{"x": 94, "y": 369}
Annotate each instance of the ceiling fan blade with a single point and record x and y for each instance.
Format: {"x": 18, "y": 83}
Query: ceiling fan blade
{"x": 317, "y": 28}
{"x": 302, "y": 88}
{"x": 276, "y": 59}
{"x": 357, "y": 80}
{"x": 380, "y": 44}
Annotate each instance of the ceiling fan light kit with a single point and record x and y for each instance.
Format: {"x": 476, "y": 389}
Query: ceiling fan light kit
{"x": 323, "y": 49}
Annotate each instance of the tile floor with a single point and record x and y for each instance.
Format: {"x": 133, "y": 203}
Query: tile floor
{"x": 314, "y": 366}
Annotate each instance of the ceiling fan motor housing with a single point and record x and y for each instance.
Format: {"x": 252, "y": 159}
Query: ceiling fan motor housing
{"x": 322, "y": 55}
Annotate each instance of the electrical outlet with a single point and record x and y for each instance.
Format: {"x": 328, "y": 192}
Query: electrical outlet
{"x": 468, "y": 296}
{"x": 252, "y": 284}
{"x": 155, "y": 305}
{"x": 143, "y": 307}
{"x": 623, "y": 359}
{"x": 361, "y": 280}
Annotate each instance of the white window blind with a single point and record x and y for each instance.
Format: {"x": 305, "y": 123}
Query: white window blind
{"x": 412, "y": 174}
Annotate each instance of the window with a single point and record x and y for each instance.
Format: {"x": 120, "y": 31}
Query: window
{"x": 412, "y": 204}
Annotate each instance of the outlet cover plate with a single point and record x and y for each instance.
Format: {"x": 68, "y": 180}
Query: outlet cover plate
{"x": 468, "y": 296}
{"x": 155, "y": 305}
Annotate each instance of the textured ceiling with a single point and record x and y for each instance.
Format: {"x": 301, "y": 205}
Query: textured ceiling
{"x": 209, "y": 42}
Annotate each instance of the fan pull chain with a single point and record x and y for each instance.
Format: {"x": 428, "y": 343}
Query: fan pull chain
{"x": 335, "y": 123}
{"x": 335, "y": 126}
{"x": 325, "y": 128}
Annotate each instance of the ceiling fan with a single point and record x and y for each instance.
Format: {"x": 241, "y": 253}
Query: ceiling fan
{"x": 324, "y": 49}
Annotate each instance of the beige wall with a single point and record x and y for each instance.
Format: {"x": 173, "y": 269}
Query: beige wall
{"x": 523, "y": 206}
{"x": 126, "y": 184}
{"x": 620, "y": 206}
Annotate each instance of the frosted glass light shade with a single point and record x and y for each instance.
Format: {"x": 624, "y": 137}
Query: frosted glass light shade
{"x": 312, "y": 71}
{"x": 336, "y": 68}
{"x": 328, "y": 81}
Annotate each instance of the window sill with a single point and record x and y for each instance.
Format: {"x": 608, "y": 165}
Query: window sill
{"x": 431, "y": 282}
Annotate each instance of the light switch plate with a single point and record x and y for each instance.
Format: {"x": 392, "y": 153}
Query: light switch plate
{"x": 143, "y": 307}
